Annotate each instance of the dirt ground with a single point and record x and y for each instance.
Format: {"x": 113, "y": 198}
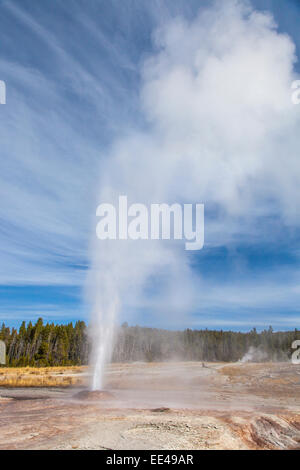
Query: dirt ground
{"x": 159, "y": 406}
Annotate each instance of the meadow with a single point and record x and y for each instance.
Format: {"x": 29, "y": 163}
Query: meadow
{"x": 41, "y": 376}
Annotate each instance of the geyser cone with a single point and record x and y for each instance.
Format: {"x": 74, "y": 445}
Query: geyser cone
{"x": 94, "y": 395}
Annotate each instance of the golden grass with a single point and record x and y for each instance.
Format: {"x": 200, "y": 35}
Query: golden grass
{"x": 41, "y": 377}
{"x": 234, "y": 370}
{"x": 262, "y": 376}
{"x": 244, "y": 373}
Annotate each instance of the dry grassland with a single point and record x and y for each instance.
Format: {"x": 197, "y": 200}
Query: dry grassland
{"x": 41, "y": 377}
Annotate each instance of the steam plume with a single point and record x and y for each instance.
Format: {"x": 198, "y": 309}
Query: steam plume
{"x": 220, "y": 129}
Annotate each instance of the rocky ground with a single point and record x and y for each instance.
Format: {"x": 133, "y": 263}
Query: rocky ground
{"x": 160, "y": 406}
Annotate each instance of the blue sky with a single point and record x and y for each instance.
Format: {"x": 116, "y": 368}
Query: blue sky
{"x": 73, "y": 77}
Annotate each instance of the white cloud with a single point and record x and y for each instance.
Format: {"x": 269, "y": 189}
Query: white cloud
{"x": 221, "y": 130}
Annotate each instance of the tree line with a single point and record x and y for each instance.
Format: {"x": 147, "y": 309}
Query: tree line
{"x": 46, "y": 344}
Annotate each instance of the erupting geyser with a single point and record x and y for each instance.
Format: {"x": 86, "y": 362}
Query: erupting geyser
{"x": 102, "y": 354}
{"x": 103, "y": 322}
{"x": 196, "y": 139}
